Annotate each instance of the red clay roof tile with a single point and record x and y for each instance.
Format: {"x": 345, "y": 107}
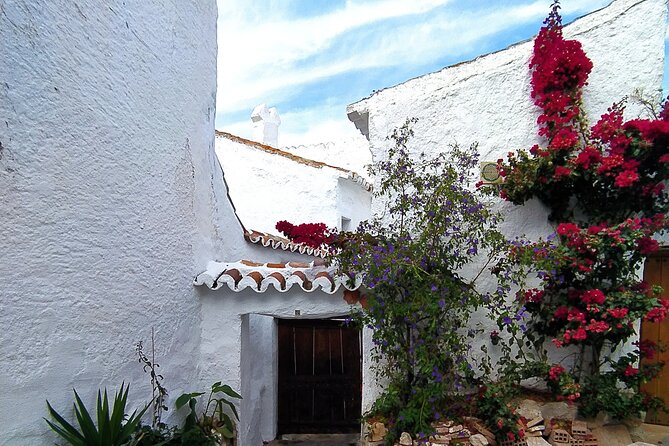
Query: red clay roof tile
{"x": 257, "y": 276}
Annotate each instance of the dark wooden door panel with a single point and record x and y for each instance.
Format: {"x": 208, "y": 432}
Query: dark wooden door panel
{"x": 320, "y": 377}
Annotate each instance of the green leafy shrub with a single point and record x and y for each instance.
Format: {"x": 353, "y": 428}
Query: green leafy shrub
{"x": 213, "y": 421}
{"x": 112, "y": 428}
{"x": 418, "y": 301}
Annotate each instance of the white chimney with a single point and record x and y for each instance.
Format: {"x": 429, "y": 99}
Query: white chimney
{"x": 266, "y": 125}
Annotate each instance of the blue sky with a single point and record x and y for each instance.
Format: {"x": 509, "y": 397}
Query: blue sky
{"x": 311, "y": 58}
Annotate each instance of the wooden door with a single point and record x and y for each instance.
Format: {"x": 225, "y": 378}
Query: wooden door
{"x": 320, "y": 377}
{"x": 656, "y": 272}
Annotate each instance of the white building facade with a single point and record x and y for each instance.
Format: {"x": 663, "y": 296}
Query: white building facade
{"x": 116, "y": 217}
{"x": 486, "y": 101}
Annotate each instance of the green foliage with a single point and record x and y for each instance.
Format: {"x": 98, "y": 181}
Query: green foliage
{"x": 111, "y": 429}
{"x": 493, "y": 405}
{"x": 494, "y": 402}
{"x": 158, "y": 436}
{"x": 419, "y": 300}
{"x": 214, "y": 418}
{"x": 616, "y": 391}
{"x": 196, "y": 437}
{"x": 158, "y": 391}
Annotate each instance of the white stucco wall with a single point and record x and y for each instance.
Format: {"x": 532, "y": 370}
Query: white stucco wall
{"x": 268, "y": 187}
{"x": 350, "y": 153}
{"x": 107, "y": 199}
{"x": 487, "y": 100}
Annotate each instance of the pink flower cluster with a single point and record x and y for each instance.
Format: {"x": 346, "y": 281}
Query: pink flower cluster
{"x": 315, "y": 235}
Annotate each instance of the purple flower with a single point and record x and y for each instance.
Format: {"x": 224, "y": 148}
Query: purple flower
{"x": 437, "y": 375}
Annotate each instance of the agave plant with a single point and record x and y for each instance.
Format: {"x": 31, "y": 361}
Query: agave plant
{"x": 112, "y": 429}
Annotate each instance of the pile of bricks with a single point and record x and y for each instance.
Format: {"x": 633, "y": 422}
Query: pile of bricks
{"x": 473, "y": 432}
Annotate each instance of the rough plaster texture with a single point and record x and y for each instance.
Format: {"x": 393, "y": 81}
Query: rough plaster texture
{"x": 107, "y": 203}
{"x": 266, "y": 187}
{"x": 350, "y": 153}
{"x": 487, "y": 100}
{"x": 112, "y": 201}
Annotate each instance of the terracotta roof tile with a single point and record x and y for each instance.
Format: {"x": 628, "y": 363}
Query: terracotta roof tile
{"x": 258, "y": 277}
{"x": 299, "y": 159}
{"x": 276, "y": 242}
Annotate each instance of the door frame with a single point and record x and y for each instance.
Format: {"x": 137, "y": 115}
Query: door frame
{"x": 653, "y": 387}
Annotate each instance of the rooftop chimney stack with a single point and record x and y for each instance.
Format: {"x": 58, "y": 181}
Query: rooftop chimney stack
{"x": 266, "y": 123}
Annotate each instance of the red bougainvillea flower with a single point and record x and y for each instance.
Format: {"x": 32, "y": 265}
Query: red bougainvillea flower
{"x": 626, "y": 178}
{"x": 534, "y": 295}
{"x": 579, "y": 334}
{"x": 595, "y": 296}
{"x": 588, "y": 157}
{"x": 652, "y": 131}
{"x": 315, "y": 235}
{"x": 561, "y": 312}
{"x": 568, "y": 229}
{"x": 610, "y": 162}
{"x": 576, "y": 315}
{"x": 596, "y": 229}
{"x": 597, "y": 326}
{"x": 559, "y": 69}
{"x": 647, "y": 246}
{"x": 555, "y": 372}
{"x": 609, "y": 125}
{"x": 647, "y": 348}
{"x": 561, "y": 171}
{"x": 631, "y": 371}
{"x": 618, "y": 313}
{"x": 656, "y": 314}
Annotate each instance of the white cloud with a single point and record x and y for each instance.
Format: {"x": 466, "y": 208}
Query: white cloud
{"x": 323, "y": 123}
{"x": 263, "y": 58}
{"x": 259, "y": 53}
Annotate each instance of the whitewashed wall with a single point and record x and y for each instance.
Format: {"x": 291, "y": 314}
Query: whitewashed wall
{"x": 487, "y": 100}
{"x": 268, "y": 187}
{"x": 107, "y": 207}
{"x": 350, "y": 153}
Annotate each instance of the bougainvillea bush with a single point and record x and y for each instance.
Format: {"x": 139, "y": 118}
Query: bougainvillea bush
{"x": 605, "y": 188}
{"x": 315, "y": 235}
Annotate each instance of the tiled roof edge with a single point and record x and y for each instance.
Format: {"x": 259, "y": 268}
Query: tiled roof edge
{"x": 291, "y": 156}
{"x": 276, "y": 242}
{"x": 361, "y": 181}
{"x": 238, "y": 276}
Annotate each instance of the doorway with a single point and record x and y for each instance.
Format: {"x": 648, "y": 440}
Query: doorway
{"x": 656, "y": 272}
{"x": 320, "y": 377}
